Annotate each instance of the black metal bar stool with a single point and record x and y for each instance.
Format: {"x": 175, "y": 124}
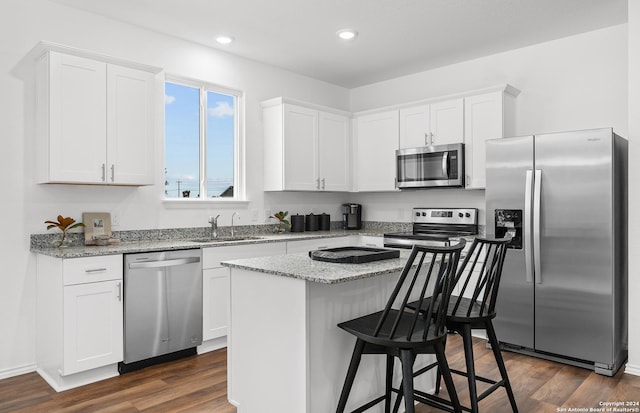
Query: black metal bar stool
{"x": 399, "y": 331}
{"x": 478, "y": 280}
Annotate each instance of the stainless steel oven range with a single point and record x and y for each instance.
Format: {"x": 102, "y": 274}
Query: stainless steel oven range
{"x": 435, "y": 226}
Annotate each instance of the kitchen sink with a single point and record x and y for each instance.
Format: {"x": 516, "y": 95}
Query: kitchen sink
{"x": 224, "y": 239}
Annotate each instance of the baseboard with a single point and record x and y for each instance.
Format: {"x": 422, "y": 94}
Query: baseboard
{"x": 17, "y": 371}
{"x": 212, "y": 345}
{"x": 632, "y": 369}
{"x": 61, "y": 383}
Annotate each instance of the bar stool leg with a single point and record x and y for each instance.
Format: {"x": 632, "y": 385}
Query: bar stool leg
{"x": 389, "y": 384}
{"x": 351, "y": 375}
{"x": 406, "y": 359}
{"x": 493, "y": 340}
{"x": 465, "y": 332}
{"x": 448, "y": 380}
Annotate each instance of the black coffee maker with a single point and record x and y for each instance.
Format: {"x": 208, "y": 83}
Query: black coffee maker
{"x": 351, "y": 216}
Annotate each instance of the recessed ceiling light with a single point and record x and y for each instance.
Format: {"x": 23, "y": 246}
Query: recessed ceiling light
{"x": 224, "y": 39}
{"x": 347, "y": 34}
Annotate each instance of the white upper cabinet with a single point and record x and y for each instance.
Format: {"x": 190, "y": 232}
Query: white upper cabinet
{"x": 438, "y": 123}
{"x": 305, "y": 149}
{"x": 334, "y": 152}
{"x": 487, "y": 116}
{"x": 376, "y": 139}
{"x": 130, "y": 148}
{"x": 94, "y": 122}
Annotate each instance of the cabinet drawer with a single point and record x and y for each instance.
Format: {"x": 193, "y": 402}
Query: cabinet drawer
{"x": 92, "y": 269}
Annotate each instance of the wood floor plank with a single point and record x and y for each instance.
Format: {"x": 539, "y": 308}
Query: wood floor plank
{"x": 198, "y": 384}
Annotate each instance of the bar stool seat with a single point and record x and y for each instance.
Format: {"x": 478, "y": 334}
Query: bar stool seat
{"x": 399, "y": 331}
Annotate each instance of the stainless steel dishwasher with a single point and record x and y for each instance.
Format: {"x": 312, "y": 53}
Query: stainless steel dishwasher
{"x": 162, "y": 307}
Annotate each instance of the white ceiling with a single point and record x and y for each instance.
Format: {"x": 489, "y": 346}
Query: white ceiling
{"x": 396, "y": 37}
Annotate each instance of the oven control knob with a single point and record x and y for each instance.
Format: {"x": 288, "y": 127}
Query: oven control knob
{"x": 460, "y": 214}
{"x": 424, "y": 214}
{"x": 468, "y": 215}
{"x": 417, "y": 214}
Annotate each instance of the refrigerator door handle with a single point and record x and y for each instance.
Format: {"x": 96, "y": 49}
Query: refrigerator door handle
{"x": 528, "y": 252}
{"x": 537, "y": 184}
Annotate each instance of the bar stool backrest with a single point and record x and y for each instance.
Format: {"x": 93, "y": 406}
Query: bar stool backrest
{"x": 479, "y": 278}
{"x": 426, "y": 266}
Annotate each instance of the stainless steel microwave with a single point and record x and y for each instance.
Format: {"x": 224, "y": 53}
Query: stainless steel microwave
{"x": 430, "y": 166}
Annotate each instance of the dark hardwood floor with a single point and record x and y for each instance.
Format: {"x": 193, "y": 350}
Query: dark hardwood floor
{"x": 198, "y": 384}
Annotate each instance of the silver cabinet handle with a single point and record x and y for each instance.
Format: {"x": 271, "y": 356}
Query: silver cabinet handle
{"x": 432, "y": 138}
{"x": 323, "y": 183}
{"x": 528, "y": 265}
{"x": 537, "y": 192}
{"x": 426, "y": 139}
{"x": 91, "y": 271}
{"x": 113, "y": 172}
{"x": 119, "y": 291}
{"x": 318, "y": 183}
{"x": 104, "y": 172}
{"x": 164, "y": 263}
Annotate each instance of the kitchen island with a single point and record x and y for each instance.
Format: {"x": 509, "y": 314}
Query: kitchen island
{"x": 286, "y": 353}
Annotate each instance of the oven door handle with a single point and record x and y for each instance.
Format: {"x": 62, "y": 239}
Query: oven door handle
{"x": 445, "y": 165}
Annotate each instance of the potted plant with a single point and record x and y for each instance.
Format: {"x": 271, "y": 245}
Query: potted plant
{"x": 64, "y": 224}
{"x": 283, "y": 222}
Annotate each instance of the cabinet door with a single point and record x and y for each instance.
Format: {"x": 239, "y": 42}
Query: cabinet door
{"x": 447, "y": 122}
{"x": 483, "y": 121}
{"x": 92, "y": 326}
{"x": 375, "y": 145}
{"x": 215, "y": 303}
{"x": 415, "y": 126}
{"x": 334, "y": 152}
{"x": 77, "y": 125}
{"x": 130, "y": 143}
{"x": 300, "y": 148}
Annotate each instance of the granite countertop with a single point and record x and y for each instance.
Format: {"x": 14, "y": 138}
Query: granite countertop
{"x": 302, "y": 267}
{"x": 181, "y": 244}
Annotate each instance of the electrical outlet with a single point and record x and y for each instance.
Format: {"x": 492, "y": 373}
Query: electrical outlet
{"x": 115, "y": 219}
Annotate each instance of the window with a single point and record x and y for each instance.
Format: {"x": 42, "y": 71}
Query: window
{"x": 201, "y": 141}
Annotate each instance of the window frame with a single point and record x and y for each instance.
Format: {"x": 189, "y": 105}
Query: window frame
{"x": 239, "y": 189}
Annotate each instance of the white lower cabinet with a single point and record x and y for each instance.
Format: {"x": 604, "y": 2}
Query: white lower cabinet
{"x": 80, "y": 319}
{"x": 92, "y": 325}
{"x": 371, "y": 241}
{"x": 215, "y": 284}
{"x": 307, "y": 245}
{"x": 215, "y": 308}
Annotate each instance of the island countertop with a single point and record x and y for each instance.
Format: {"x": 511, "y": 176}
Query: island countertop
{"x": 301, "y": 266}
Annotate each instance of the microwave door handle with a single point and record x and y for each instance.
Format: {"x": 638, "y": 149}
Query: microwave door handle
{"x": 445, "y": 165}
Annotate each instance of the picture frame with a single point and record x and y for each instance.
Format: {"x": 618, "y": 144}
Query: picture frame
{"x": 96, "y": 224}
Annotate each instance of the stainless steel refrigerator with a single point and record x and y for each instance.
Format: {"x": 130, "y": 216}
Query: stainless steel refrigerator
{"x": 563, "y": 198}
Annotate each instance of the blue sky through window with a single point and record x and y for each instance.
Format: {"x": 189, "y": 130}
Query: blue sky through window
{"x": 182, "y": 137}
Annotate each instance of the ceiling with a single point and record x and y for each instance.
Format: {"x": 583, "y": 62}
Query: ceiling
{"x": 396, "y": 37}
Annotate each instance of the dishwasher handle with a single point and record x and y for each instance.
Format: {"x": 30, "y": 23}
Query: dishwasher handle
{"x": 164, "y": 263}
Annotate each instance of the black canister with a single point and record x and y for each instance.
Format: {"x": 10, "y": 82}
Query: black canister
{"x": 297, "y": 223}
{"x": 325, "y": 222}
{"x": 311, "y": 222}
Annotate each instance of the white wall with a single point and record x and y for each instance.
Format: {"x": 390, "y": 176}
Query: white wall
{"x": 578, "y": 82}
{"x": 633, "y": 365}
{"x": 25, "y": 205}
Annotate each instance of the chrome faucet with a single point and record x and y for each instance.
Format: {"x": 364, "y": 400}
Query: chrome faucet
{"x": 232, "y": 229}
{"x": 214, "y": 226}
